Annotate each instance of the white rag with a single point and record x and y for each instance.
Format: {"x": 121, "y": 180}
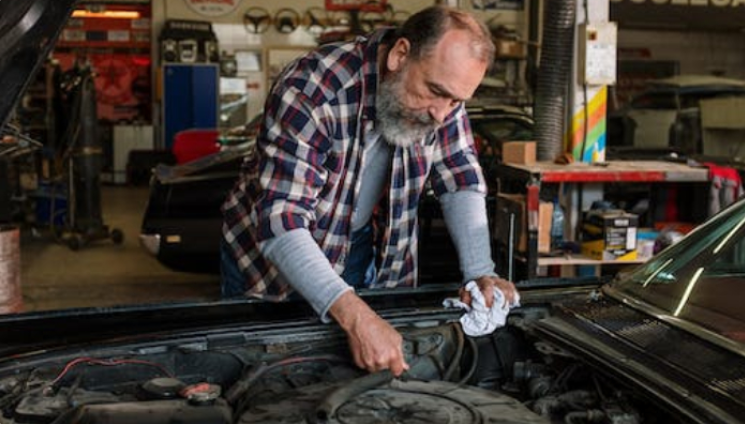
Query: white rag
{"x": 478, "y": 319}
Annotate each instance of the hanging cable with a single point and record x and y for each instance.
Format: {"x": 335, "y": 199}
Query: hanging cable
{"x": 106, "y": 363}
{"x": 586, "y": 107}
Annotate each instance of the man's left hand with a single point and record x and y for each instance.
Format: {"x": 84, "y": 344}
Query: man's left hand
{"x": 486, "y": 285}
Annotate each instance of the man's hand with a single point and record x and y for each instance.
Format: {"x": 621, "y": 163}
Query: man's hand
{"x": 374, "y": 343}
{"x": 486, "y": 285}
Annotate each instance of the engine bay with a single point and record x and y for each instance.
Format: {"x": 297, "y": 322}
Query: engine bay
{"x": 304, "y": 374}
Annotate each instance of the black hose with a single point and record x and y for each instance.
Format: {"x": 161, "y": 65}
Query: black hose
{"x": 474, "y": 361}
{"x": 241, "y": 386}
{"x": 66, "y": 417}
{"x": 235, "y": 395}
{"x": 455, "y": 363}
{"x": 554, "y": 76}
{"x": 327, "y": 408}
{"x": 589, "y": 416}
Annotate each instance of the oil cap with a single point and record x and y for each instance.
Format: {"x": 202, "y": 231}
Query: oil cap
{"x": 201, "y": 393}
{"x": 162, "y": 388}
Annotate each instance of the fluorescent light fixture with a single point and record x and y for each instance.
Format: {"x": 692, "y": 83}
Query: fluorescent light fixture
{"x": 111, "y": 14}
{"x": 729, "y": 236}
{"x": 654, "y": 274}
{"x": 688, "y": 291}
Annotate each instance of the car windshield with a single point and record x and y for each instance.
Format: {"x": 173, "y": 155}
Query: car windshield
{"x": 503, "y": 129}
{"x": 692, "y": 100}
{"x": 701, "y": 279}
{"x": 655, "y": 101}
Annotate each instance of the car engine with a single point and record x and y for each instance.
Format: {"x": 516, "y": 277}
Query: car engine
{"x": 303, "y": 374}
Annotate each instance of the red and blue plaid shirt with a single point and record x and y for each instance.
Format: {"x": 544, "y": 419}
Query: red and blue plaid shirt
{"x": 305, "y": 172}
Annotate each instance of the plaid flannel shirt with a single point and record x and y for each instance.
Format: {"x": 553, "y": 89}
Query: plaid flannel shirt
{"x": 305, "y": 172}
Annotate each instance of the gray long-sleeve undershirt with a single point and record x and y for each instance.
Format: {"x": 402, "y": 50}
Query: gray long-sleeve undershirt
{"x": 304, "y": 266}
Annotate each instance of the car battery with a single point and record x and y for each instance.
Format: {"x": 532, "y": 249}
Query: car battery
{"x": 609, "y": 235}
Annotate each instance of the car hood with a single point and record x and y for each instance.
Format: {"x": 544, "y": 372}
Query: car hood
{"x": 50, "y": 330}
{"x": 28, "y": 31}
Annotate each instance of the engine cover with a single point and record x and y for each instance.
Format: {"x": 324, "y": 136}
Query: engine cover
{"x": 396, "y": 402}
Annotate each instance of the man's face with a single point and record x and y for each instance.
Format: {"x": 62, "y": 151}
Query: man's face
{"x": 415, "y": 96}
{"x": 399, "y": 124}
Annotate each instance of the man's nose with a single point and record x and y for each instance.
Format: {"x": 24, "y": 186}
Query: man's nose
{"x": 441, "y": 108}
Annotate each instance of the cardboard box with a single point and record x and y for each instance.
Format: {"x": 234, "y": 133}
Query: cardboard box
{"x": 519, "y": 152}
{"x": 509, "y": 204}
{"x": 645, "y": 242}
{"x": 609, "y": 235}
{"x": 545, "y": 215}
{"x": 509, "y": 48}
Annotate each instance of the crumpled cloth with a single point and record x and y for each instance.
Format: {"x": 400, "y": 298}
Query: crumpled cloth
{"x": 478, "y": 319}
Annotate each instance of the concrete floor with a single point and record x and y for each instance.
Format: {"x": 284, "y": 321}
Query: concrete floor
{"x": 101, "y": 273}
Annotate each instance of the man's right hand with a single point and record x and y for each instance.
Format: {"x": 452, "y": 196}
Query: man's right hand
{"x": 374, "y": 343}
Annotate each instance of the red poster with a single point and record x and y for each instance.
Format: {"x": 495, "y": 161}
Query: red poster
{"x": 122, "y": 84}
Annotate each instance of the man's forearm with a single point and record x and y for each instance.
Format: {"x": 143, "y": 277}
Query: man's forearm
{"x": 465, "y": 217}
{"x": 302, "y": 263}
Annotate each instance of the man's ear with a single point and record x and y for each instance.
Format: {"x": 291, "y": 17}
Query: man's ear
{"x": 397, "y": 54}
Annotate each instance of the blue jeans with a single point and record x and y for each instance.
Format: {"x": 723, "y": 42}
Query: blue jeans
{"x": 232, "y": 282}
{"x": 359, "y": 271}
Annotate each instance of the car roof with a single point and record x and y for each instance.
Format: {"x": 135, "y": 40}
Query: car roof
{"x": 696, "y": 81}
{"x": 476, "y": 109}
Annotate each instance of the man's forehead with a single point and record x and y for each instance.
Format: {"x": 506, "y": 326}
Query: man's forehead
{"x": 452, "y": 65}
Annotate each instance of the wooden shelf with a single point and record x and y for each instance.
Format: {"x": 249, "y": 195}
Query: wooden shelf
{"x": 612, "y": 171}
{"x": 570, "y": 259}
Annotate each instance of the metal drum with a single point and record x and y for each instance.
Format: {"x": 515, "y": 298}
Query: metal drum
{"x": 11, "y": 300}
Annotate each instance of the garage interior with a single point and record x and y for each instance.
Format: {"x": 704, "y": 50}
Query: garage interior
{"x": 142, "y": 52}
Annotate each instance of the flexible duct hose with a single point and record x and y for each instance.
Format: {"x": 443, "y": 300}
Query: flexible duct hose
{"x": 553, "y": 76}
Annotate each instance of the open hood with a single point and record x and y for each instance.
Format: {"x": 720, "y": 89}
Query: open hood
{"x": 28, "y": 31}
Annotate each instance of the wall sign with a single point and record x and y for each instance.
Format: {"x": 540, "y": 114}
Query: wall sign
{"x": 682, "y": 15}
{"x": 694, "y": 3}
{"x": 213, "y": 7}
{"x": 498, "y": 4}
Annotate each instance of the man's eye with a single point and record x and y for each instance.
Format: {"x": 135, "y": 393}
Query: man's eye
{"x": 435, "y": 91}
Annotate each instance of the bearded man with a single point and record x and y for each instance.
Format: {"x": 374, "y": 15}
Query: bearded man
{"x": 328, "y": 201}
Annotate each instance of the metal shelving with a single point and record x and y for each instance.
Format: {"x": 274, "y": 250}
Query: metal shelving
{"x": 532, "y": 179}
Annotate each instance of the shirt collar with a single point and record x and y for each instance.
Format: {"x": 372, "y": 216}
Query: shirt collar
{"x": 370, "y": 71}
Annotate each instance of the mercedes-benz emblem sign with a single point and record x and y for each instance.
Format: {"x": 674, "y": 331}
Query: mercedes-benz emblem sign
{"x": 213, "y": 7}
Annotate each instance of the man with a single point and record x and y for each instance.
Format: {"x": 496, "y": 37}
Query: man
{"x": 329, "y": 201}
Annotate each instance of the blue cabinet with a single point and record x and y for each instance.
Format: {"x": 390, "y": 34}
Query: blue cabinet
{"x": 190, "y": 98}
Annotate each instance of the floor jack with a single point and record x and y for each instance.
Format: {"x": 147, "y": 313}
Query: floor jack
{"x": 83, "y": 161}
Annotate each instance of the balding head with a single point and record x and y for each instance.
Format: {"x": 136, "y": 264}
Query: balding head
{"x": 425, "y": 28}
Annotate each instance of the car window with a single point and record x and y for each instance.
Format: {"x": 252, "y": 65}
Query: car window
{"x": 504, "y": 130}
{"x": 702, "y": 278}
{"x": 655, "y": 101}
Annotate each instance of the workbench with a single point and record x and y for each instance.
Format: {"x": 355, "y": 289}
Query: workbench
{"x": 579, "y": 179}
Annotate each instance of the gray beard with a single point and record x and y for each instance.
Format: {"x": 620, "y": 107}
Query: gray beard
{"x": 398, "y": 126}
